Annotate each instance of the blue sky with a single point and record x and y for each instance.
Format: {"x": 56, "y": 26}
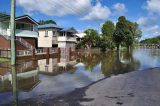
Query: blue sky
{"x": 83, "y": 14}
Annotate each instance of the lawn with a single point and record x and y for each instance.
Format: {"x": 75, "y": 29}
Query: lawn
{"x": 4, "y": 59}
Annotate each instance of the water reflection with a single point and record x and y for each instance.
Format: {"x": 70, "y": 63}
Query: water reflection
{"x": 148, "y": 58}
{"x": 119, "y": 63}
{"x": 39, "y": 80}
{"x": 14, "y": 86}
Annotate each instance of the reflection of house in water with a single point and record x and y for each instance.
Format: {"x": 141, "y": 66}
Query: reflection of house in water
{"x": 58, "y": 65}
{"x": 27, "y": 78}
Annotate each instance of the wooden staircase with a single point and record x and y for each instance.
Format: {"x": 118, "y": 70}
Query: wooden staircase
{"x": 25, "y": 43}
{"x": 21, "y": 41}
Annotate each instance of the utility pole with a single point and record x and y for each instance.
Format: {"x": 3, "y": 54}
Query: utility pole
{"x": 13, "y": 52}
{"x": 14, "y": 86}
{"x": 12, "y": 32}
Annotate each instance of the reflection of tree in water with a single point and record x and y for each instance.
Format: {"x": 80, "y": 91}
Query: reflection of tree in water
{"x": 111, "y": 62}
{"x": 115, "y": 63}
{"x": 90, "y": 61}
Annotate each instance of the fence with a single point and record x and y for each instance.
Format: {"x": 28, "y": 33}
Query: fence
{"x": 21, "y": 53}
{"x": 24, "y": 52}
{"x": 5, "y": 53}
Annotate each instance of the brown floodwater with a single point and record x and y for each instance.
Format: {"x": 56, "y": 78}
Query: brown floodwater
{"x": 41, "y": 80}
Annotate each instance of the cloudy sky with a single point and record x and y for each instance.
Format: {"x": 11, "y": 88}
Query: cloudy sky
{"x": 83, "y": 14}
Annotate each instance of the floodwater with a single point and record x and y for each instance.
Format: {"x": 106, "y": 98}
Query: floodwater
{"x": 41, "y": 80}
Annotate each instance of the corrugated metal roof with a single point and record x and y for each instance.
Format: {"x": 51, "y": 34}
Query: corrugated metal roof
{"x": 6, "y": 17}
{"x": 69, "y": 30}
{"x": 49, "y": 26}
{"x": 27, "y": 16}
{"x": 25, "y": 33}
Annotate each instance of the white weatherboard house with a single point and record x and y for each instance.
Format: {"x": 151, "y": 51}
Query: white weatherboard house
{"x": 51, "y": 35}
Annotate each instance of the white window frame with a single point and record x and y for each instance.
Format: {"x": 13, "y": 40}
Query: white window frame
{"x": 46, "y": 33}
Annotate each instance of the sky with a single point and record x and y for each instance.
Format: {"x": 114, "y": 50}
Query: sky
{"x": 84, "y": 14}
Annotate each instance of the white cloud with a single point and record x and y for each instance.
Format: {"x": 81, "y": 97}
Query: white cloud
{"x": 119, "y": 9}
{"x": 153, "y": 6}
{"x": 157, "y": 33}
{"x": 147, "y": 21}
{"x": 82, "y": 8}
{"x": 151, "y": 28}
{"x": 98, "y": 12}
{"x": 56, "y": 7}
{"x": 150, "y": 35}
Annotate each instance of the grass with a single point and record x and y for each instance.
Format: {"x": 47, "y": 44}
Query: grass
{"x": 4, "y": 59}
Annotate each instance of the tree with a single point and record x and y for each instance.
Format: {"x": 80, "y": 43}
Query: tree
{"x": 120, "y": 30}
{"x": 91, "y": 38}
{"x": 107, "y": 33}
{"x": 42, "y": 22}
{"x": 137, "y": 32}
{"x": 126, "y": 32}
{"x": 129, "y": 34}
{"x": 133, "y": 33}
{"x": 108, "y": 29}
{"x": 154, "y": 40}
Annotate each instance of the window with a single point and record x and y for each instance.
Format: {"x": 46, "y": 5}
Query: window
{"x": 46, "y": 34}
{"x": 24, "y": 26}
{"x": 54, "y": 33}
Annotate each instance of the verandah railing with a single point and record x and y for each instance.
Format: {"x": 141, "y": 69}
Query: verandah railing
{"x": 5, "y": 53}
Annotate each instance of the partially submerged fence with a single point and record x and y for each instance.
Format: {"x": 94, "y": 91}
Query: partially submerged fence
{"x": 33, "y": 52}
{"x": 46, "y": 52}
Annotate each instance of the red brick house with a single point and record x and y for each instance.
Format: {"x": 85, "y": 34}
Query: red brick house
{"x": 26, "y": 32}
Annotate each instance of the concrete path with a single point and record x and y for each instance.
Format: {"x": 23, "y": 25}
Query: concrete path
{"x": 138, "y": 88}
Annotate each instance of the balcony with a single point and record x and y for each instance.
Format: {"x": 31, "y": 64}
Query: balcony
{"x": 24, "y": 33}
{"x": 66, "y": 39}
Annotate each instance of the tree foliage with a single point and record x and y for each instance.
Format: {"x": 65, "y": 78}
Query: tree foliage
{"x": 107, "y": 35}
{"x": 43, "y": 22}
{"x": 108, "y": 29}
{"x": 91, "y": 38}
{"x": 120, "y": 31}
{"x": 154, "y": 40}
{"x": 126, "y": 32}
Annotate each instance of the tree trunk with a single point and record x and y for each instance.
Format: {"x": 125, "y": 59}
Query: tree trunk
{"x": 128, "y": 48}
{"x": 117, "y": 47}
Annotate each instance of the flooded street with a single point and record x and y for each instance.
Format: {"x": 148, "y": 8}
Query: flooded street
{"x": 41, "y": 80}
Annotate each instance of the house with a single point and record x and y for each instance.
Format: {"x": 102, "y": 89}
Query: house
{"x": 51, "y": 35}
{"x": 26, "y": 32}
{"x": 80, "y": 36}
{"x": 48, "y": 35}
{"x": 26, "y": 75}
{"x": 54, "y": 66}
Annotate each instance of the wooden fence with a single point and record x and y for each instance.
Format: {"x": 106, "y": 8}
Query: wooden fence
{"x": 33, "y": 52}
{"x": 46, "y": 53}
{"x": 5, "y": 53}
